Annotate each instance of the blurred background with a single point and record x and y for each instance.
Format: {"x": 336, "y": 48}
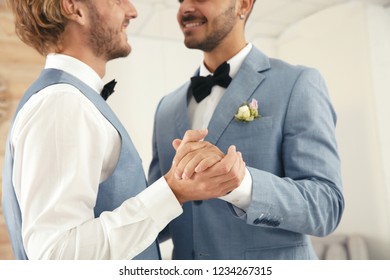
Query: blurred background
{"x": 348, "y": 41}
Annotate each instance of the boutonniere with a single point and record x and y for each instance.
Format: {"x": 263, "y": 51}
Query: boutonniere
{"x": 248, "y": 112}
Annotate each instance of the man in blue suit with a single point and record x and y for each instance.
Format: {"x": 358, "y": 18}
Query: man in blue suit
{"x": 279, "y": 116}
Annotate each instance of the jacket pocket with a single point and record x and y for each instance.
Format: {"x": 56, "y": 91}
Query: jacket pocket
{"x": 296, "y": 252}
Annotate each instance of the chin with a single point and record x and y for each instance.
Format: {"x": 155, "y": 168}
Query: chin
{"x": 191, "y": 44}
{"x": 124, "y": 52}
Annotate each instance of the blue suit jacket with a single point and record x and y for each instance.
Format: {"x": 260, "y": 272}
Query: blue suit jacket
{"x": 291, "y": 154}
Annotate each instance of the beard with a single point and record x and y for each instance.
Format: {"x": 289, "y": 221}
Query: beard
{"x": 104, "y": 40}
{"x": 222, "y": 25}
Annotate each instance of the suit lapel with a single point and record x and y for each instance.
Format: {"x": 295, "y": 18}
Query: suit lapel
{"x": 244, "y": 84}
{"x": 181, "y": 112}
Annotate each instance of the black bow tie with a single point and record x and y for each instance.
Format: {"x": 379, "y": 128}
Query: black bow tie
{"x": 108, "y": 89}
{"x": 201, "y": 86}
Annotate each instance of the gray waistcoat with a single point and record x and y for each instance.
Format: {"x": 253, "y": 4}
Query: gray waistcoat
{"x": 127, "y": 180}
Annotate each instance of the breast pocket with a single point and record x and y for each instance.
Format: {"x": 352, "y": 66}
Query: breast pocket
{"x": 258, "y": 141}
{"x": 241, "y": 132}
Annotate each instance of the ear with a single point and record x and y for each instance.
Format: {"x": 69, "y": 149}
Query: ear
{"x": 74, "y": 10}
{"x": 245, "y": 7}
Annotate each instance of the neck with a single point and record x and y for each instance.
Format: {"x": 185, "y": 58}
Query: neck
{"x": 96, "y": 63}
{"x": 73, "y": 44}
{"x": 223, "y": 52}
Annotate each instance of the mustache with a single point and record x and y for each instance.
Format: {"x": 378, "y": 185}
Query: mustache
{"x": 191, "y": 17}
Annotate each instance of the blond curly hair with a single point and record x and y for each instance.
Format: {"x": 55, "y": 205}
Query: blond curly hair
{"x": 39, "y": 23}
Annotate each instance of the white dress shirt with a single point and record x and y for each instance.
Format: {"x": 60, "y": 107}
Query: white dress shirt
{"x": 63, "y": 148}
{"x": 200, "y": 114}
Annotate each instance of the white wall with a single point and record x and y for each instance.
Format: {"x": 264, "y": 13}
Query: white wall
{"x": 349, "y": 44}
{"x": 379, "y": 25}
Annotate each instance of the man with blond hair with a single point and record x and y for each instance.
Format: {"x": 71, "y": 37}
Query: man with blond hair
{"x": 73, "y": 182}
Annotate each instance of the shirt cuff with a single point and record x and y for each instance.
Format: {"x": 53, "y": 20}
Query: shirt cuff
{"x": 242, "y": 195}
{"x": 159, "y": 196}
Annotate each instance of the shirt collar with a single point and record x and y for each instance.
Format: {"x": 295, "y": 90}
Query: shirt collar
{"x": 235, "y": 62}
{"x": 76, "y": 68}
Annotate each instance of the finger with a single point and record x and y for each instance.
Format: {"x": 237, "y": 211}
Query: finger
{"x": 231, "y": 155}
{"x": 185, "y": 149}
{"x": 176, "y": 143}
{"x": 228, "y": 186}
{"x": 203, "y": 155}
{"x": 239, "y": 169}
{"x": 229, "y": 182}
{"x": 189, "y": 136}
{"x": 201, "y": 162}
{"x": 225, "y": 165}
{"x": 179, "y": 171}
{"x": 207, "y": 163}
{"x": 194, "y": 135}
{"x": 238, "y": 172}
{"x": 185, "y": 165}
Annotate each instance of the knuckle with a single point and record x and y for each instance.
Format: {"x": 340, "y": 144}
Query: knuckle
{"x": 224, "y": 169}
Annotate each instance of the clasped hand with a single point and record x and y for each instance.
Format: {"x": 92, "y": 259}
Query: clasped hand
{"x": 201, "y": 171}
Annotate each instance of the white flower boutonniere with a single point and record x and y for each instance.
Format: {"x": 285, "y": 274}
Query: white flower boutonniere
{"x": 248, "y": 112}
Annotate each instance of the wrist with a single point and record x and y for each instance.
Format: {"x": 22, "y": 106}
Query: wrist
{"x": 173, "y": 183}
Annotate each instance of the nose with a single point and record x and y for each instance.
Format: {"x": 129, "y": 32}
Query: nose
{"x": 130, "y": 10}
{"x": 186, "y": 6}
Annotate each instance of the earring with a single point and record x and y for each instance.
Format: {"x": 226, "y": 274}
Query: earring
{"x": 242, "y": 16}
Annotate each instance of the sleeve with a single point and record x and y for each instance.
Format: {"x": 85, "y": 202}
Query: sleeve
{"x": 308, "y": 199}
{"x": 59, "y": 146}
{"x": 155, "y": 172}
{"x": 242, "y": 195}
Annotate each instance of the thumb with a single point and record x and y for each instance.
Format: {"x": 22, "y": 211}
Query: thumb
{"x": 176, "y": 143}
